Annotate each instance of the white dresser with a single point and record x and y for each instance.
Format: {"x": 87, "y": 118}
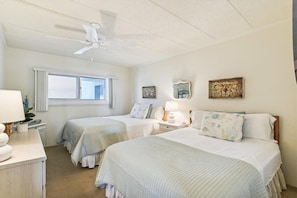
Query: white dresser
{"x": 41, "y": 127}
{"x": 23, "y": 175}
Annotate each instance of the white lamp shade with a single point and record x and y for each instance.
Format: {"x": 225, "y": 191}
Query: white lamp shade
{"x": 171, "y": 106}
{"x": 11, "y": 106}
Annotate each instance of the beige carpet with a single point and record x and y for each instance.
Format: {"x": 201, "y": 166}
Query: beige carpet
{"x": 67, "y": 181}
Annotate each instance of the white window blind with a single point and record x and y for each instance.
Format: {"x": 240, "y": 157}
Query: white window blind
{"x": 112, "y": 88}
{"x": 41, "y": 99}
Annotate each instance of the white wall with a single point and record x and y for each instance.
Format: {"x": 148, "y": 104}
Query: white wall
{"x": 18, "y": 69}
{"x": 264, "y": 59}
{"x": 2, "y": 56}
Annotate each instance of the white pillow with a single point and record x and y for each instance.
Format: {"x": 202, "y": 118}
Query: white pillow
{"x": 226, "y": 126}
{"x": 140, "y": 110}
{"x": 197, "y": 117}
{"x": 157, "y": 113}
{"x": 259, "y": 126}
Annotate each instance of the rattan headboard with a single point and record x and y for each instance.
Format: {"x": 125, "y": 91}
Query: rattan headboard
{"x": 276, "y": 128}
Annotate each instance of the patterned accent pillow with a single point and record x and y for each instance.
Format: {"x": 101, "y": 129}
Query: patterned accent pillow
{"x": 226, "y": 126}
{"x": 140, "y": 110}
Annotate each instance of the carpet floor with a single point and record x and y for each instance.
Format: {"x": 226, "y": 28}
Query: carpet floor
{"x": 65, "y": 180}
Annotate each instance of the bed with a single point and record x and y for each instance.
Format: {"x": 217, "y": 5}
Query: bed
{"x": 210, "y": 158}
{"x": 87, "y": 138}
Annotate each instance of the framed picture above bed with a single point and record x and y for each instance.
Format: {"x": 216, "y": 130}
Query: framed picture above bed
{"x": 226, "y": 88}
{"x": 149, "y": 92}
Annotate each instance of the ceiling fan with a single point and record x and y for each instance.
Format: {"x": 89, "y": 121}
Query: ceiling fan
{"x": 96, "y": 34}
{"x": 93, "y": 39}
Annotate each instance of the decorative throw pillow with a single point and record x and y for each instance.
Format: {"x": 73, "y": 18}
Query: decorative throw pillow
{"x": 226, "y": 126}
{"x": 197, "y": 117}
{"x": 140, "y": 110}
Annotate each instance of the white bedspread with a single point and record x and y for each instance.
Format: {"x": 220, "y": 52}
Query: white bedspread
{"x": 263, "y": 155}
{"x": 137, "y": 127}
{"x": 80, "y": 134}
{"x": 157, "y": 167}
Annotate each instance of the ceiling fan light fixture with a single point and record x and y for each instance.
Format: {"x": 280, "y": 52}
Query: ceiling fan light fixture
{"x": 95, "y": 45}
{"x": 96, "y": 25}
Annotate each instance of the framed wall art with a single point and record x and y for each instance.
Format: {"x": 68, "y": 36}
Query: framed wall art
{"x": 226, "y": 88}
{"x": 149, "y": 92}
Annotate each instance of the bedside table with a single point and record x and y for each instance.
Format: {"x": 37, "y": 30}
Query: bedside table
{"x": 165, "y": 126}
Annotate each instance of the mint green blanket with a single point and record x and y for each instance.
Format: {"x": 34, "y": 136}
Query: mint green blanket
{"x": 92, "y": 135}
{"x": 156, "y": 167}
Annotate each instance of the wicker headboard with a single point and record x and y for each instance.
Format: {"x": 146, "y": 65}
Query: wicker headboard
{"x": 276, "y": 126}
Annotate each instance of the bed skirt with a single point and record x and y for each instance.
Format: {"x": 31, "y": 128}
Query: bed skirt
{"x": 277, "y": 185}
{"x": 89, "y": 161}
{"x": 274, "y": 188}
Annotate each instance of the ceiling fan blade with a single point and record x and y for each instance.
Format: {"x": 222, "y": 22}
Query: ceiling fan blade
{"x": 69, "y": 39}
{"x": 69, "y": 28}
{"x": 83, "y": 50}
{"x": 108, "y": 22}
{"x": 144, "y": 36}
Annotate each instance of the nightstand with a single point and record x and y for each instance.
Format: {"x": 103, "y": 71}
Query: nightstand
{"x": 165, "y": 126}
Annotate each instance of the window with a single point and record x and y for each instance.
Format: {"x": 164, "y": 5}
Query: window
{"x": 53, "y": 88}
{"x": 62, "y": 86}
{"x": 92, "y": 88}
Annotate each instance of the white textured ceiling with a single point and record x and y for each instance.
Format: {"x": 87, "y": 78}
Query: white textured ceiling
{"x": 137, "y": 31}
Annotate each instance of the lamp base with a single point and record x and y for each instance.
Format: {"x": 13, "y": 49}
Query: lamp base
{"x": 8, "y": 128}
{"x": 171, "y": 118}
{"x": 5, "y": 152}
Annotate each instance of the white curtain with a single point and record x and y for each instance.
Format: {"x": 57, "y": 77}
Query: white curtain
{"x": 41, "y": 88}
{"x": 112, "y": 93}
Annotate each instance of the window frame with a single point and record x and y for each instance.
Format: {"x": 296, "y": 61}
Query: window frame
{"x": 99, "y": 78}
{"x": 77, "y": 90}
{"x": 78, "y": 100}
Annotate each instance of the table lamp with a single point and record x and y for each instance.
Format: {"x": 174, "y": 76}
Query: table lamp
{"x": 12, "y": 110}
{"x": 11, "y": 107}
{"x": 171, "y": 107}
